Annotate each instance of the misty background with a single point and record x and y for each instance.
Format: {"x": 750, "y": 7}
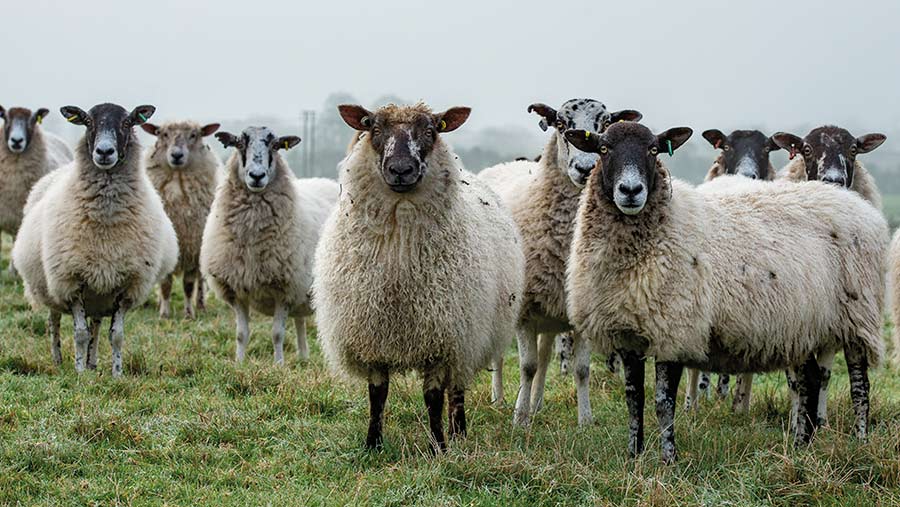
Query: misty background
{"x": 707, "y": 64}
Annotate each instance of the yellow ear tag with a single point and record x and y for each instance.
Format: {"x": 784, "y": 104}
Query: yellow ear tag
{"x": 40, "y": 119}
{"x": 70, "y": 118}
{"x": 443, "y": 125}
{"x": 285, "y": 145}
{"x": 587, "y": 134}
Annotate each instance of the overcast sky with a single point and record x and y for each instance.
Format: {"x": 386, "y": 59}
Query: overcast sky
{"x": 713, "y": 64}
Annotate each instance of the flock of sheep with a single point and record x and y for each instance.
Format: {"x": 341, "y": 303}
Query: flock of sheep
{"x": 410, "y": 262}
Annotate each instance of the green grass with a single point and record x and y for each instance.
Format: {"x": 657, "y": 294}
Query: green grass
{"x": 187, "y": 426}
{"x": 891, "y": 208}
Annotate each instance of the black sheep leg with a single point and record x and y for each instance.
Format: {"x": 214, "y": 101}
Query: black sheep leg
{"x": 857, "y": 368}
{"x": 633, "y": 367}
{"x": 808, "y": 385}
{"x": 668, "y": 374}
{"x": 378, "y": 391}
{"x": 457, "y": 412}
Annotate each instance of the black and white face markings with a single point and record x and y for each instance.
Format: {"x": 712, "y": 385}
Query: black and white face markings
{"x": 179, "y": 141}
{"x": 18, "y": 127}
{"x": 109, "y": 130}
{"x": 628, "y": 152}
{"x": 258, "y": 149}
{"x": 585, "y": 114}
{"x": 745, "y": 152}
{"x": 829, "y": 152}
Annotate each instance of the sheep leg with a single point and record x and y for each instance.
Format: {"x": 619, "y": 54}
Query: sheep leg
{"x": 793, "y": 387}
{"x": 808, "y": 385}
{"x": 741, "y": 402}
{"x": 457, "y": 411}
{"x": 302, "y": 345}
{"x": 564, "y": 349}
{"x": 242, "y": 322}
{"x": 691, "y": 394}
{"x": 703, "y": 385}
{"x": 94, "y": 325}
{"x": 544, "y": 352}
{"x": 433, "y": 391}
{"x": 55, "y": 345}
{"x": 200, "y": 293}
{"x": 188, "y": 280}
{"x": 825, "y": 361}
{"x": 668, "y": 375}
{"x": 82, "y": 335}
{"x": 378, "y": 391}
{"x": 279, "y": 321}
{"x": 117, "y": 338}
{"x": 633, "y": 366}
{"x": 165, "y": 295}
{"x": 857, "y": 368}
{"x": 582, "y": 350}
{"x": 497, "y": 382}
{"x": 722, "y": 386}
{"x": 612, "y": 361}
{"x": 527, "y": 339}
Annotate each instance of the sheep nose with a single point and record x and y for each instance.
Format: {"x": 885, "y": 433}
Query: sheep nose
{"x": 835, "y": 180}
{"x": 177, "y": 157}
{"x": 631, "y": 189}
{"x": 584, "y": 169}
{"x": 257, "y": 176}
{"x": 16, "y": 140}
{"x": 105, "y": 152}
{"x": 401, "y": 169}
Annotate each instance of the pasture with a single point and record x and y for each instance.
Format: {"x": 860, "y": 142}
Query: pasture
{"x": 185, "y": 425}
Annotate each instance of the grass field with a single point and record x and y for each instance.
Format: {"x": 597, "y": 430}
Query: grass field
{"x": 186, "y": 426}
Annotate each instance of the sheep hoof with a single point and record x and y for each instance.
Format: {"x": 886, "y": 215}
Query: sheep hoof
{"x": 521, "y": 419}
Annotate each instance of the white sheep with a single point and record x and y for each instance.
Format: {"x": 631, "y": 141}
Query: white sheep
{"x": 543, "y": 198}
{"x": 185, "y": 172}
{"x": 650, "y": 275}
{"x": 95, "y": 238}
{"x": 27, "y": 154}
{"x": 261, "y": 234}
{"x": 419, "y": 268}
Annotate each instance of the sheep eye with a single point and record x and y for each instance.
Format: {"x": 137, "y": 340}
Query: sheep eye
{"x": 429, "y": 132}
{"x": 853, "y": 151}
{"x": 604, "y": 150}
{"x": 726, "y": 148}
{"x": 605, "y": 125}
{"x": 376, "y": 131}
{"x": 654, "y": 150}
{"x": 807, "y": 151}
{"x": 560, "y": 125}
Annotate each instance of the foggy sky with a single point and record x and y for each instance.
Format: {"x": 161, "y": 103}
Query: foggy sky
{"x": 723, "y": 64}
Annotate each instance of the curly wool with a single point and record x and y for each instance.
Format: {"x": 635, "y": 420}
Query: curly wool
{"x": 187, "y": 194}
{"x": 100, "y": 234}
{"x": 429, "y": 279}
{"x": 863, "y": 181}
{"x": 259, "y": 247}
{"x": 716, "y": 296}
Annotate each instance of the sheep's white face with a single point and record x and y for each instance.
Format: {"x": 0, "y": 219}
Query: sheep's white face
{"x": 18, "y": 135}
{"x": 584, "y": 114}
{"x": 19, "y": 127}
{"x": 258, "y": 149}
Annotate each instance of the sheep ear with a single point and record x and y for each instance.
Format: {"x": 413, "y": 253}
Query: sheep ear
{"x": 789, "y": 142}
{"x": 74, "y": 115}
{"x": 773, "y": 146}
{"x": 228, "y": 140}
{"x": 626, "y": 115}
{"x": 673, "y": 138}
{"x": 2, "y": 112}
{"x": 548, "y": 114}
{"x": 584, "y": 140}
{"x": 357, "y": 117}
{"x": 868, "y": 142}
{"x": 452, "y": 119}
{"x": 715, "y": 137}
{"x": 286, "y": 142}
{"x": 39, "y": 115}
{"x": 207, "y": 130}
{"x": 141, "y": 114}
{"x": 150, "y": 128}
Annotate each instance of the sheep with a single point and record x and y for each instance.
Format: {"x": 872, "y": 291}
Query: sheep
{"x": 185, "y": 172}
{"x": 543, "y": 198}
{"x": 745, "y": 153}
{"x": 419, "y": 268}
{"x": 95, "y": 238}
{"x": 649, "y": 276}
{"x": 27, "y": 154}
{"x": 894, "y": 283}
{"x": 829, "y": 154}
{"x": 261, "y": 234}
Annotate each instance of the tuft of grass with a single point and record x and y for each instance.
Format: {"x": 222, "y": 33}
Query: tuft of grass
{"x": 185, "y": 425}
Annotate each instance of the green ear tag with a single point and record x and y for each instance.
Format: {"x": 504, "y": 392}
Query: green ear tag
{"x": 142, "y": 117}
{"x": 669, "y": 144}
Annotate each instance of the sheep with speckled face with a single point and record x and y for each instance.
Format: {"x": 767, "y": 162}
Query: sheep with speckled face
{"x": 419, "y": 268}
{"x": 95, "y": 238}
{"x": 543, "y": 197}
{"x": 650, "y": 276}
{"x": 26, "y": 154}
{"x": 185, "y": 172}
{"x": 261, "y": 235}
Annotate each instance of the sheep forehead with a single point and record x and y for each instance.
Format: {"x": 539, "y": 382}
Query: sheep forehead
{"x": 108, "y": 113}
{"x": 258, "y": 133}
{"x": 18, "y": 112}
{"x": 830, "y": 138}
{"x": 629, "y": 132}
{"x": 585, "y": 114}
{"x": 178, "y": 131}
{"x": 393, "y": 114}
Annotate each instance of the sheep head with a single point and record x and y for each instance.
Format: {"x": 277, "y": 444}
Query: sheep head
{"x": 628, "y": 155}
{"x": 403, "y": 137}
{"x": 178, "y": 140}
{"x": 109, "y": 130}
{"x": 18, "y": 127}
{"x": 258, "y": 149}
{"x": 585, "y": 114}
{"x": 744, "y": 152}
{"x": 829, "y": 152}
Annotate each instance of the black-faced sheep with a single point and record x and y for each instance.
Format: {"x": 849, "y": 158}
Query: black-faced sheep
{"x": 95, "y": 238}
{"x": 261, "y": 235}
{"x": 26, "y": 155}
{"x": 650, "y": 276}
{"x": 543, "y": 197}
{"x": 185, "y": 172}
{"x": 419, "y": 268}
